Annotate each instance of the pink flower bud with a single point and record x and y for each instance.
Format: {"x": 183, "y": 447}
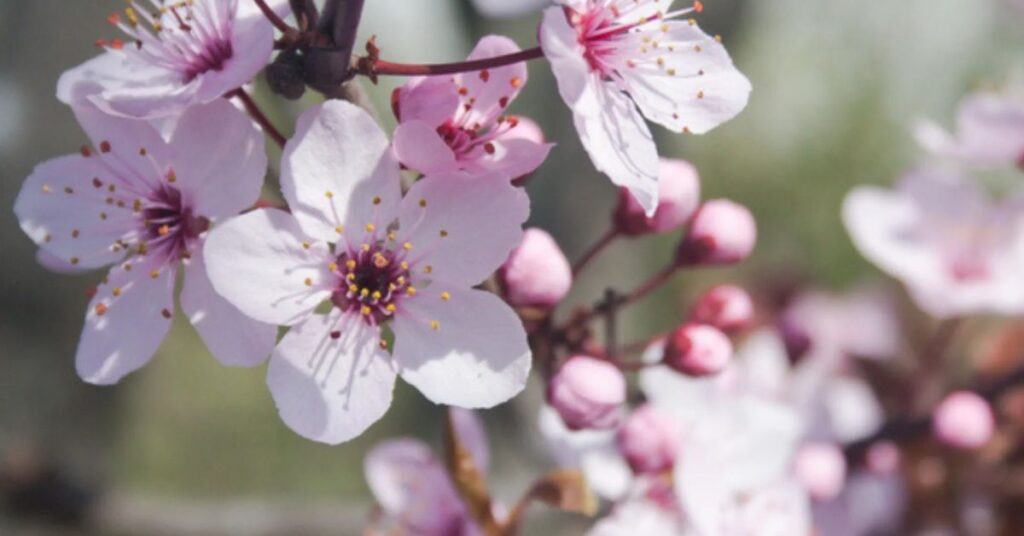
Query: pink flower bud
{"x": 649, "y": 440}
{"x": 821, "y": 469}
{"x": 536, "y": 272}
{"x": 698, "y": 350}
{"x": 963, "y": 420}
{"x": 678, "y": 195}
{"x": 726, "y": 307}
{"x": 721, "y": 232}
{"x": 883, "y": 458}
{"x": 588, "y": 393}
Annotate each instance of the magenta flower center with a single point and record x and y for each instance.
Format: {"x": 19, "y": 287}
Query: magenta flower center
{"x": 170, "y": 226}
{"x": 373, "y": 280}
{"x": 187, "y": 37}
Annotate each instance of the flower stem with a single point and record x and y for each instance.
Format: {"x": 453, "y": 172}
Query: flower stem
{"x": 650, "y": 285}
{"x": 372, "y": 67}
{"x": 273, "y": 18}
{"x": 254, "y": 111}
{"x": 594, "y": 250}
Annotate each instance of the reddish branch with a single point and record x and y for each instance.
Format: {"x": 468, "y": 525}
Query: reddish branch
{"x": 257, "y": 114}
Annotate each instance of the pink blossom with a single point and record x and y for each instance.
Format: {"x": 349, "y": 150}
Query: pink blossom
{"x": 143, "y": 204}
{"x": 678, "y": 196}
{"x": 385, "y": 264}
{"x": 964, "y": 420}
{"x": 989, "y": 131}
{"x": 588, "y": 393}
{"x": 413, "y": 489}
{"x": 698, "y": 350}
{"x": 178, "y": 55}
{"x": 536, "y": 274}
{"x": 619, "y": 61}
{"x": 955, "y": 250}
{"x": 721, "y": 232}
{"x": 649, "y": 440}
{"x": 821, "y": 468}
{"x": 460, "y": 122}
{"x": 726, "y": 307}
{"x": 861, "y": 322}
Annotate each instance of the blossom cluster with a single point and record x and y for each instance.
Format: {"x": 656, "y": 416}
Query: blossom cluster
{"x": 404, "y": 254}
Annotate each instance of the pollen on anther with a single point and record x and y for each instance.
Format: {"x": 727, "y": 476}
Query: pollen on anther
{"x": 143, "y": 151}
{"x": 339, "y": 229}
{"x": 383, "y": 344}
{"x": 428, "y": 269}
{"x": 308, "y": 282}
{"x": 332, "y": 266}
{"x": 365, "y": 247}
{"x": 116, "y": 291}
{"x": 407, "y": 246}
{"x": 350, "y": 264}
{"x": 154, "y": 274}
{"x": 166, "y": 313}
{"x": 47, "y": 189}
{"x": 365, "y": 310}
{"x": 164, "y": 230}
{"x": 370, "y": 227}
{"x": 446, "y": 296}
{"x": 376, "y": 200}
{"x": 390, "y": 308}
{"x": 171, "y": 176}
{"x": 306, "y": 244}
{"x": 516, "y": 82}
{"x": 411, "y": 291}
{"x": 329, "y": 194}
{"x": 700, "y": 94}
{"x": 435, "y": 325}
{"x": 443, "y": 233}
{"x": 423, "y": 203}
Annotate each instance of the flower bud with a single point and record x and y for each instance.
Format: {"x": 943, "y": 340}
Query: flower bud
{"x": 536, "y": 273}
{"x": 963, "y": 420}
{"x": 649, "y": 440}
{"x": 678, "y": 195}
{"x": 697, "y": 350}
{"x": 721, "y": 232}
{"x": 821, "y": 469}
{"x": 588, "y": 393}
{"x": 726, "y": 307}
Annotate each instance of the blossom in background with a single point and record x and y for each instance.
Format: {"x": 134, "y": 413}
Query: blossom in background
{"x": 387, "y": 266}
{"x": 989, "y": 131}
{"x": 941, "y": 236}
{"x": 536, "y": 274}
{"x": 617, "y": 62}
{"x": 412, "y": 487}
{"x": 185, "y": 53}
{"x": 678, "y": 198}
{"x": 460, "y": 122}
{"x": 143, "y": 204}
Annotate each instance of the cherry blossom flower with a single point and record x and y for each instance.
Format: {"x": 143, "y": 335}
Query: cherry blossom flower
{"x": 460, "y": 122}
{"x": 937, "y": 232}
{"x": 989, "y": 131}
{"x": 859, "y": 323}
{"x": 143, "y": 205}
{"x": 413, "y": 489}
{"x": 387, "y": 266}
{"x": 175, "y": 54}
{"x": 613, "y": 57}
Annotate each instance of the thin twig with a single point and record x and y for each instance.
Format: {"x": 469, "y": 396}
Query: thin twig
{"x": 257, "y": 114}
{"x": 278, "y": 23}
{"x": 373, "y": 67}
{"x": 607, "y": 238}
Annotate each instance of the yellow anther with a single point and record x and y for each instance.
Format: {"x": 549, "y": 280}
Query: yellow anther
{"x": 411, "y": 291}
{"x": 370, "y": 227}
{"x": 332, "y": 266}
{"x": 306, "y": 245}
{"x": 365, "y": 247}
{"x": 364, "y": 292}
{"x": 391, "y": 236}
{"x": 353, "y": 289}
{"x": 339, "y": 229}
{"x": 404, "y": 265}
{"x": 446, "y": 296}
{"x": 391, "y": 308}
{"x": 664, "y": 28}
{"x": 74, "y": 260}
{"x": 46, "y": 189}
{"x": 376, "y": 295}
{"x": 435, "y": 325}
{"x": 308, "y": 282}
{"x": 671, "y": 72}
{"x": 329, "y": 194}
{"x": 407, "y": 246}
{"x": 376, "y": 200}
{"x": 423, "y": 203}
{"x": 428, "y": 269}
{"x": 444, "y": 234}
{"x": 351, "y": 277}
{"x": 350, "y": 264}
{"x": 366, "y": 310}
{"x": 116, "y": 291}
{"x": 154, "y": 274}
{"x": 171, "y": 177}
{"x": 380, "y": 261}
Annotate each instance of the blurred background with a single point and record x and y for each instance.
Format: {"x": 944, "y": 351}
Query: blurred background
{"x": 187, "y": 447}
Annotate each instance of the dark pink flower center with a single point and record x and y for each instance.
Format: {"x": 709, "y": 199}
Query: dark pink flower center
{"x": 171, "y": 228}
{"x": 373, "y": 281}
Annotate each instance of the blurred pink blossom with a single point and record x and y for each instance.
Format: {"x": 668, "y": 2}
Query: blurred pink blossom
{"x": 612, "y": 76}
{"x": 957, "y": 252}
{"x": 536, "y": 273}
{"x": 721, "y": 232}
{"x": 408, "y": 263}
{"x": 588, "y": 393}
{"x": 821, "y": 468}
{"x": 678, "y": 197}
{"x": 143, "y": 204}
{"x": 964, "y": 420}
{"x": 460, "y": 122}
{"x": 989, "y": 131}
{"x": 726, "y": 307}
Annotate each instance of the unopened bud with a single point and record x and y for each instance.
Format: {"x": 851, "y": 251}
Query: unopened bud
{"x": 726, "y": 307}
{"x": 588, "y": 393}
{"x": 698, "y": 350}
{"x": 285, "y": 75}
{"x": 678, "y": 196}
{"x": 821, "y": 469}
{"x": 963, "y": 420}
{"x": 536, "y": 274}
{"x": 721, "y": 232}
{"x": 649, "y": 440}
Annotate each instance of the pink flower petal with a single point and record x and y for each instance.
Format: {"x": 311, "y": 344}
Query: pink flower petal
{"x": 337, "y": 171}
{"x": 477, "y": 356}
{"x": 222, "y": 159}
{"x": 121, "y": 85}
{"x": 509, "y": 156}
{"x": 259, "y": 262}
{"x": 698, "y": 88}
{"x": 418, "y": 147}
{"x": 127, "y": 320}
{"x": 488, "y": 92}
{"x": 462, "y": 226}
{"x": 60, "y": 210}
{"x": 411, "y": 484}
{"x": 233, "y": 338}
{"x": 330, "y": 378}
{"x": 430, "y": 99}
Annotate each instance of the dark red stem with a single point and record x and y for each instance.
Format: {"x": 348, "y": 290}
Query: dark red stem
{"x": 254, "y": 110}
{"x": 650, "y": 285}
{"x": 373, "y": 67}
{"x": 281, "y": 25}
{"x": 594, "y": 250}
